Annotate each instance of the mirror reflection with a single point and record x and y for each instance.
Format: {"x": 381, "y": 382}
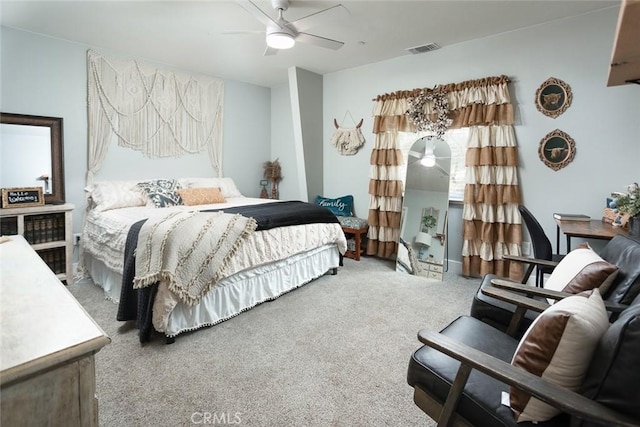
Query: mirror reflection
{"x": 25, "y": 156}
{"x": 422, "y": 248}
{"x": 32, "y": 154}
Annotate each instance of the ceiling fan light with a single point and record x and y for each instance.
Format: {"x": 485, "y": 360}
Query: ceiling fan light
{"x": 278, "y": 40}
{"x": 428, "y": 160}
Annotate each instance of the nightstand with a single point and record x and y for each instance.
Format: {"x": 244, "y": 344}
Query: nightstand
{"x": 354, "y": 228}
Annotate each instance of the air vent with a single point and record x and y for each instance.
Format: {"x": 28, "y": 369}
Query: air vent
{"x": 424, "y": 48}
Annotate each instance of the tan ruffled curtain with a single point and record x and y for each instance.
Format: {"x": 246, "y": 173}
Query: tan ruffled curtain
{"x": 491, "y": 220}
{"x": 385, "y": 185}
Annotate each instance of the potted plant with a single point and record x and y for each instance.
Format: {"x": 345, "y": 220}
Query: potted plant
{"x": 629, "y": 203}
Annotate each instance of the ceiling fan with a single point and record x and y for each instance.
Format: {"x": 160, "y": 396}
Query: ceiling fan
{"x": 282, "y": 34}
{"x": 429, "y": 158}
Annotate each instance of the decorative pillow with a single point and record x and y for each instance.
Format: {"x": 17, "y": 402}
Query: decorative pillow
{"x": 580, "y": 270}
{"x": 107, "y": 195}
{"x": 558, "y": 347}
{"x": 201, "y": 196}
{"x": 226, "y": 185}
{"x": 161, "y": 193}
{"x": 342, "y": 206}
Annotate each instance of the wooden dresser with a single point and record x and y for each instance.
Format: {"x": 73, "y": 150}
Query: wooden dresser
{"x": 48, "y": 342}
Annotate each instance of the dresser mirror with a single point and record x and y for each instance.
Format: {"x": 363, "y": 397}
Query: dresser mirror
{"x": 423, "y": 232}
{"x": 31, "y": 154}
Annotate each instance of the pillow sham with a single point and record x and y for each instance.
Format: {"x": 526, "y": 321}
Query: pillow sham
{"x": 107, "y": 195}
{"x": 227, "y": 185}
{"x": 580, "y": 270}
{"x": 558, "y": 347}
{"x": 201, "y": 196}
{"x": 342, "y": 206}
{"x": 161, "y": 193}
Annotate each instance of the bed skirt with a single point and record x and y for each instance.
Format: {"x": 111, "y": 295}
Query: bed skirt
{"x": 234, "y": 294}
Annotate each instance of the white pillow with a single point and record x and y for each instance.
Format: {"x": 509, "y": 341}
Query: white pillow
{"x": 227, "y": 186}
{"x": 108, "y": 195}
{"x": 558, "y": 347}
{"x": 580, "y": 270}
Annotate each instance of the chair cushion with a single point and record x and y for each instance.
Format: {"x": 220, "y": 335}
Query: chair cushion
{"x": 496, "y": 312}
{"x": 614, "y": 373}
{"x": 558, "y": 347}
{"x": 624, "y": 252}
{"x": 435, "y": 372}
{"x": 353, "y": 222}
{"x": 580, "y": 270}
{"x": 342, "y": 206}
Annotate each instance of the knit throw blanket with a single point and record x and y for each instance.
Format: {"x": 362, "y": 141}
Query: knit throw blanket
{"x": 188, "y": 249}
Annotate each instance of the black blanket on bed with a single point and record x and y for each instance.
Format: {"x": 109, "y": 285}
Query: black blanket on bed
{"x": 136, "y": 304}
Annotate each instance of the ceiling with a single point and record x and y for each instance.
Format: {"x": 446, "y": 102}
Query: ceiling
{"x": 194, "y": 35}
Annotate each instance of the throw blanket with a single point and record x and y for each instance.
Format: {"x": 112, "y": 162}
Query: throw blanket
{"x": 187, "y": 249}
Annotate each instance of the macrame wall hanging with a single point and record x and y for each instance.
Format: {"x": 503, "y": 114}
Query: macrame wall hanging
{"x": 158, "y": 112}
{"x": 347, "y": 140}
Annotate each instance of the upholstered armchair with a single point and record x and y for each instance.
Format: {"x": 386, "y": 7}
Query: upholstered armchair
{"x": 577, "y": 359}
{"x": 470, "y": 373}
{"x": 623, "y": 252}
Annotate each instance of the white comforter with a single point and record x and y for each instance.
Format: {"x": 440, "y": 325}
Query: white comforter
{"x": 105, "y": 234}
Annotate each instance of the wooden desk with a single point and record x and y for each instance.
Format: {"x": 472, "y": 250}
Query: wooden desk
{"x": 594, "y": 229}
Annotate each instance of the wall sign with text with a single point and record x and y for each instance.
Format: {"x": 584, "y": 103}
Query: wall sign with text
{"x": 22, "y": 197}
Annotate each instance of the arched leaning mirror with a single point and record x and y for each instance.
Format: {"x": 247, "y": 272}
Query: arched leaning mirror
{"x": 31, "y": 154}
{"x": 423, "y": 233}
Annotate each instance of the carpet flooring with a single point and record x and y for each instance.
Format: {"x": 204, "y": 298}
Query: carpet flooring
{"x": 331, "y": 353}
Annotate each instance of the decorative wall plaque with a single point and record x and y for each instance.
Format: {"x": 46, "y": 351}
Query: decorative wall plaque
{"x": 553, "y": 97}
{"x": 557, "y": 149}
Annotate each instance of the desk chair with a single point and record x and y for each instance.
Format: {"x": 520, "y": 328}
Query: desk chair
{"x": 541, "y": 245}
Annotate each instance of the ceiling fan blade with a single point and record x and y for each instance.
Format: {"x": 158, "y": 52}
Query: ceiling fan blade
{"x": 331, "y": 13}
{"x": 441, "y": 169}
{"x": 269, "y": 51}
{"x": 233, "y": 33}
{"x": 319, "y": 41}
{"x": 415, "y": 154}
{"x": 258, "y": 13}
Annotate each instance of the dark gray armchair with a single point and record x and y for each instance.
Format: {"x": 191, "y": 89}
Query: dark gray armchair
{"x": 459, "y": 375}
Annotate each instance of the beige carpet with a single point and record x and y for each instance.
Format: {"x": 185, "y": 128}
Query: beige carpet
{"x": 331, "y": 353}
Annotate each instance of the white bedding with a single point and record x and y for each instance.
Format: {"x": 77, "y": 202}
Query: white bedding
{"x": 105, "y": 235}
{"x": 104, "y": 238}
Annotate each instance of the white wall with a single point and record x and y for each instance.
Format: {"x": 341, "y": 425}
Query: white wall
{"x": 47, "y": 77}
{"x": 603, "y": 121}
{"x": 306, "y": 105}
{"x": 282, "y": 143}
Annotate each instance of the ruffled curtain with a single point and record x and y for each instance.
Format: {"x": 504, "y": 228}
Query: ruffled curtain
{"x": 491, "y": 220}
{"x": 385, "y": 186}
{"x": 157, "y": 112}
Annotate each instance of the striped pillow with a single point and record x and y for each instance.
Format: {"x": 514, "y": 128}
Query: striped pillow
{"x": 558, "y": 347}
{"x": 580, "y": 270}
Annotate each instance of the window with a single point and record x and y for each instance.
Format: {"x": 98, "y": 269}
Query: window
{"x": 457, "y": 141}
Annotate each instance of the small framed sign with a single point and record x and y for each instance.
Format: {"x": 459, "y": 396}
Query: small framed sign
{"x": 22, "y": 197}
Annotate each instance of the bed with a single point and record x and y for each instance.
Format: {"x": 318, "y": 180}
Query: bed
{"x": 266, "y": 264}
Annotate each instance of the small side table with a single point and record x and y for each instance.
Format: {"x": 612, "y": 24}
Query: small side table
{"x": 354, "y": 227}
